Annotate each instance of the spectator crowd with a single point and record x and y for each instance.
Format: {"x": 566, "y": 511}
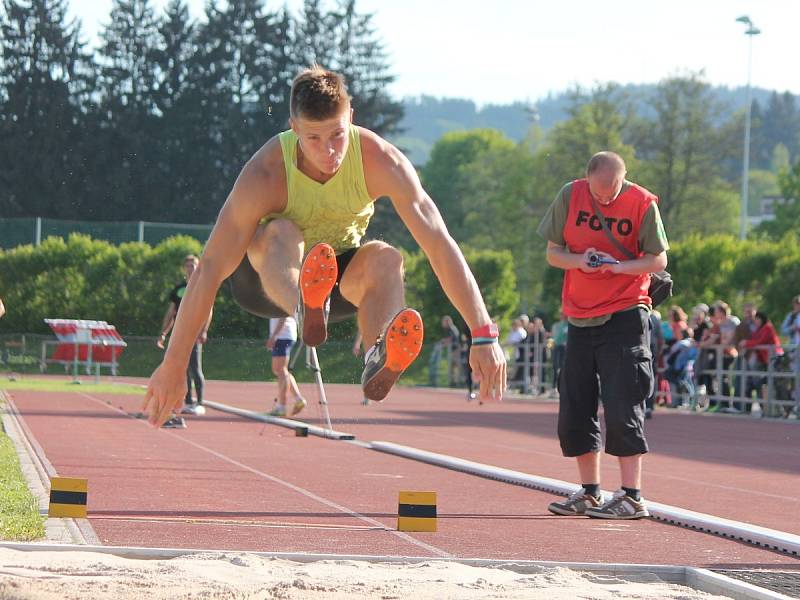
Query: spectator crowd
{"x": 709, "y": 359}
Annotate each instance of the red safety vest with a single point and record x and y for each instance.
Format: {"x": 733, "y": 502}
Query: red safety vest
{"x": 586, "y": 295}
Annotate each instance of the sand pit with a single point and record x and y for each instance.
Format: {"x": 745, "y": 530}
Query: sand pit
{"x": 49, "y": 575}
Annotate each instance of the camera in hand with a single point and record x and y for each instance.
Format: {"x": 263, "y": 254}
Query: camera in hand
{"x": 595, "y": 260}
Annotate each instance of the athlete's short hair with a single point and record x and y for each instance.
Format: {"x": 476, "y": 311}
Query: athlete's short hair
{"x": 191, "y": 257}
{"x": 318, "y": 94}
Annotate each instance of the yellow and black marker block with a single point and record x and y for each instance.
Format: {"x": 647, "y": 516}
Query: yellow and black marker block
{"x": 301, "y": 431}
{"x": 68, "y": 497}
{"x": 417, "y": 511}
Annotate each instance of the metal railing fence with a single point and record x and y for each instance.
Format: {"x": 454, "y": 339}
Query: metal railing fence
{"x": 16, "y": 232}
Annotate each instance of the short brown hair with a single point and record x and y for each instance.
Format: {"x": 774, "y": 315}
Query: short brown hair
{"x": 606, "y": 161}
{"x": 318, "y": 94}
{"x": 191, "y": 257}
{"x": 722, "y": 306}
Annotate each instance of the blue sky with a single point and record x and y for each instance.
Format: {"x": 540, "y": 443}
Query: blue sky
{"x": 505, "y": 50}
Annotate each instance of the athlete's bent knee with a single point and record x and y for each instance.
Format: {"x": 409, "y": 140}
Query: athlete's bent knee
{"x": 385, "y": 260}
{"x": 283, "y": 229}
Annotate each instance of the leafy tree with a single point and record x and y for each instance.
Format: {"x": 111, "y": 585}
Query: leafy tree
{"x": 386, "y": 225}
{"x": 780, "y": 159}
{"x": 445, "y": 176}
{"x": 762, "y": 183}
{"x": 502, "y": 213}
{"x": 787, "y": 214}
{"x": 493, "y": 270}
{"x": 682, "y": 151}
{"x": 598, "y": 120}
{"x": 784, "y": 280}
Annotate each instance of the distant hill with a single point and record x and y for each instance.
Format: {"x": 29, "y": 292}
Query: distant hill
{"x": 428, "y": 118}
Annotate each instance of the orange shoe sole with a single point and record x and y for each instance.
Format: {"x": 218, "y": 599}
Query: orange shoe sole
{"x": 318, "y": 276}
{"x": 403, "y": 340}
{"x": 403, "y": 344}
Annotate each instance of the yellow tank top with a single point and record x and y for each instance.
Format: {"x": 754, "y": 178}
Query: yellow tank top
{"x": 337, "y": 211}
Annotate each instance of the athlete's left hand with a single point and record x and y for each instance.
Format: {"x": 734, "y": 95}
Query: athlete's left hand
{"x": 489, "y": 368}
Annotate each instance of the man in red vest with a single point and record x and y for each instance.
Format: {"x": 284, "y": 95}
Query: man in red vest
{"x": 605, "y": 299}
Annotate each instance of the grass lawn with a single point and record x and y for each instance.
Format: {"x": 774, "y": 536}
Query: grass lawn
{"x": 249, "y": 360}
{"x": 30, "y": 383}
{"x": 19, "y": 510}
{"x": 49, "y": 385}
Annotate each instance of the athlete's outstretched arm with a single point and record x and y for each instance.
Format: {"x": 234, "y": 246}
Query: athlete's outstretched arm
{"x": 232, "y": 233}
{"x": 389, "y": 173}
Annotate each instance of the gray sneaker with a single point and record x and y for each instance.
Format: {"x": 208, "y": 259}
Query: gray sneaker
{"x": 621, "y": 506}
{"x": 395, "y": 350}
{"x": 193, "y": 409}
{"x": 577, "y": 504}
{"x": 278, "y": 410}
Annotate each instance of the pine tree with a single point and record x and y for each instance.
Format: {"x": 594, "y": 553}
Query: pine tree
{"x": 315, "y": 37}
{"x": 283, "y": 64}
{"x": 361, "y": 58}
{"x": 128, "y": 102}
{"x": 45, "y": 85}
{"x": 344, "y": 40}
{"x": 182, "y": 135}
{"x": 235, "y": 50}
{"x": 778, "y": 123}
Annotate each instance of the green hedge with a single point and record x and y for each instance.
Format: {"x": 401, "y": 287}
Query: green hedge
{"x": 127, "y": 285}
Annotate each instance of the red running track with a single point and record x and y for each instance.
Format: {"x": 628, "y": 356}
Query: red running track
{"x": 226, "y": 482}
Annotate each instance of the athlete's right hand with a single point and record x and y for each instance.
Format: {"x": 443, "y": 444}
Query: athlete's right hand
{"x": 165, "y": 392}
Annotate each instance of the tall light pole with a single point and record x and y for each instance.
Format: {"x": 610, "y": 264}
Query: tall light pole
{"x": 749, "y": 32}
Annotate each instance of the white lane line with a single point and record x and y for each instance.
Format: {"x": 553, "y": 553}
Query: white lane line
{"x": 307, "y": 493}
{"x": 730, "y": 488}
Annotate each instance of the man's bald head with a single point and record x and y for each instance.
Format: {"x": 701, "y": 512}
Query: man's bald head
{"x": 606, "y": 174}
{"x": 606, "y": 163}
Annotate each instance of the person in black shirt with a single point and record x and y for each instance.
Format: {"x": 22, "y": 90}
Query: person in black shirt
{"x": 195, "y": 371}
